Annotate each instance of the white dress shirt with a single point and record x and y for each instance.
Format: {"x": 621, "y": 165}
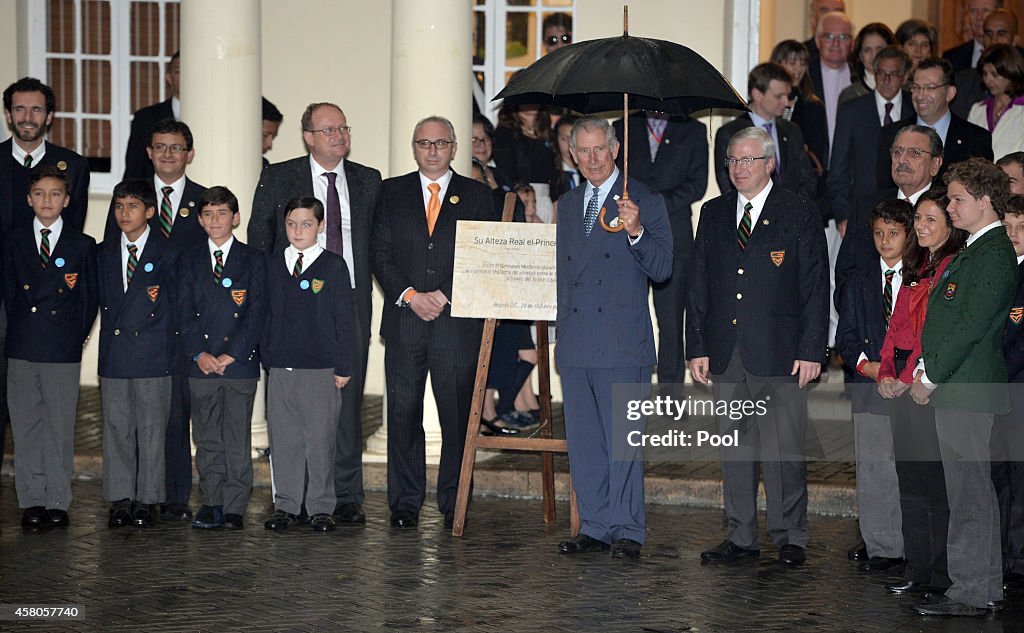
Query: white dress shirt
{"x": 55, "y": 230}
{"x": 897, "y": 283}
{"x": 224, "y": 249}
{"x": 320, "y": 193}
{"x": 19, "y": 154}
{"x": 141, "y": 244}
{"x": 179, "y": 191}
{"x": 291, "y": 254}
{"x": 757, "y": 203}
{"x": 897, "y": 106}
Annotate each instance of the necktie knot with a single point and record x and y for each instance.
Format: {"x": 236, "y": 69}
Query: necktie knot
{"x": 28, "y": 161}
{"x": 133, "y": 249}
{"x": 45, "y": 231}
{"x": 331, "y": 176}
{"x": 748, "y": 207}
{"x": 889, "y": 274}
{"x": 218, "y": 254}
{"x": 434, "y": 188}
{"x": 167, "y": 190}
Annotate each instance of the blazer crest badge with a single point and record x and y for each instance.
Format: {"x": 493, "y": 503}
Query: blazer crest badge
{"x": 238, "y": 296}
{"x": 71, "y": 279}
{"x": 1016, "y": 314}
{"x": 778, "y": 257}
{"x": 153, "y": 292}
{"x": 950, "y": 292}
{"x": 318, "y": 285}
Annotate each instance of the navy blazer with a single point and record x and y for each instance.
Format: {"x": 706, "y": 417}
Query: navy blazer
{"x": 1013, "y": 335}
{"x": 186, "y": 232}
{"x": 136, "y": 160}
{"x": 602, "y": 281}
{"x": 138, "y": 338}
{"x": 862, "y": 329}
{"x": 771, "y": 299}
{"x": 15, "y": 210}
{"x": 50, "y": 311}
{"x": 963, "y": 140}
{"x": 224, "y": 317}
{"x": 960, "y": 55}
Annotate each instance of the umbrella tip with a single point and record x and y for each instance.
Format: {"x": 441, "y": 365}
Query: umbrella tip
{"x": 625, "y": 20}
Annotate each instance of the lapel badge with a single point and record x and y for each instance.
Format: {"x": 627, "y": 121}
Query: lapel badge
{"x": 453, "y": 200}
{"x": 61, "y": 165}
{"x": 72, "y": 278}
{"x": 318, "y": 285}
{"x": 148, "y": 267}
{"x": 59, "y": 262}
{"x": 304, "y": 284}
{"x": 950, "y": 291}
{"x": 153, "y": 292}
{"x": 226, "y": 282}
{"x": 765, "y": 222}
{"x": 183, "y": 212}
{"x": 238, "y": 296}
{"x": 1016, "y": 314}
{"x": 778, "y": 257}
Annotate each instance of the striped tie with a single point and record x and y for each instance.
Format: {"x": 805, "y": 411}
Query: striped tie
{"x": 887, "y": 295}
{"x": 297, "y": 270}
{"x": 743, "y": 231}
{"x": 218, "y": 266}
{"x": 28, "y": 161}
{"x": 133, "y": 261}
{"x": 166, "y": 218}
{"x": 44, "y": 247}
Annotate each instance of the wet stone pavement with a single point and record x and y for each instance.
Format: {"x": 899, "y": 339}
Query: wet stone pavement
{"x": 504, "y": 575}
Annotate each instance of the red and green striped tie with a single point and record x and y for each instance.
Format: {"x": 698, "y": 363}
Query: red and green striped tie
{"x": 44, "y": 247}
{"x": 166, "y": 217}
{"x": 743, "y": 231}
{"x": 133, "y": 261}
{"x": 218, "y": 265}
{"x": 887, "y": 295}
{"x": 297, "y": 269}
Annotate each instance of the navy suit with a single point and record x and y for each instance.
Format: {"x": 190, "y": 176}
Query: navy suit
{"x": 679, "y": 172}
{"x": 963, "y": 140}
{"x": 605, "y": 337}
{"x": 136, "y": 160}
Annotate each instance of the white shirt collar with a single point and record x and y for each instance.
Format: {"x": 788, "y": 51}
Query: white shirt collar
{"x": 176, "y": 108}
{"x": 224, "y": 249}
{"x": 19, "y": 154}
{"x": 898, "y": 267}
{"x": 912, "y": 198}
{"x": 55, "y": 230}
{"x": 319, "y": 169}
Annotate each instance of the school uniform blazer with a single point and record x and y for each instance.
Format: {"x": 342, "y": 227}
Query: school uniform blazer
{"x": 49, "y": 311}
{"x": 963, "y": 332}
{"x": 1013, "y": 335}
{"x": 405, "y": 254}
{"x": 771, "y": 299}
{"x": 226, "y": 316}
{"x": 862, "y": 329}
{"x": 138, "y": 333}
{"x": 186, "y": 232}
{"x": 604, "y": 319}
{"x": 14, "y": 208}
{"x": 963, "y": 140}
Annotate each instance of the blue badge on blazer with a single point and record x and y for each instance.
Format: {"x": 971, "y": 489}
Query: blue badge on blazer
{"x": 945, "y": 274}
{"x": 148, "y": 267}
{"x": 226, "y": 282}
{"x": 304, "y": 284}
{"x": 59, "y": 262}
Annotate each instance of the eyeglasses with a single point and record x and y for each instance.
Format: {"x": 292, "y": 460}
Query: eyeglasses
{"x": 160, "y": 148}
{"x": 913, "y": 152}
{"x": 331, "y": 131}
{"x": 439, "y": 144}
{"x": 832, "y": 37}
{"x": 480, "y": 140}
{"x": 746, "y": 161}
{"x": 887, "y": 75}
{"x": 555, "y": 39}
{"x": 929, "y": 88}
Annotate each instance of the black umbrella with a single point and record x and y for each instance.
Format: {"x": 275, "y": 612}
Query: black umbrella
{"x": 605, "y": 74}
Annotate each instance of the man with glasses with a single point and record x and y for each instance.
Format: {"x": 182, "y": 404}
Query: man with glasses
{"x": 556, "y": 31}
{"x": 349, "y": 193}
{"x": 413, "y": 254}
{"x": 830, "y": 72}
{"x": 932, "y": 90}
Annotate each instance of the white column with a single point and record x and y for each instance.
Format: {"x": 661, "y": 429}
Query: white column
{"x": 220, "y": 102}
{"x": 431, "y": 74}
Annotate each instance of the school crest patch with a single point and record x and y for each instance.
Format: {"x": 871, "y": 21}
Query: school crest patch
{"x": 1016, "y": 314}
{"x": 71, "y": 279}
{"x": 153, "y": 292}
{"x": 318, "y": 285}
{"x": 950, "y": 291}
{"x": 778, "y": 257}
{"x": 238, "y": 296}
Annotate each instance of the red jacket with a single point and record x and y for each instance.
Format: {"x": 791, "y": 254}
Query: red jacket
{"x": 906, "y": 324}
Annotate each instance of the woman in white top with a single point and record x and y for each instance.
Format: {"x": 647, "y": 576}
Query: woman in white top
{"x": 1002, "y": 71}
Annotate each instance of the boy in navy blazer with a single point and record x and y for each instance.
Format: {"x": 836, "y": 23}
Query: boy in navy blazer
{"x": 221, "y": 313}
{"x": 50, "y": 295}
{"x": 136, "y": 275}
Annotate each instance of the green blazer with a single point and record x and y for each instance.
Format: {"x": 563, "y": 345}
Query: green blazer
{"x": 962, "y": 336}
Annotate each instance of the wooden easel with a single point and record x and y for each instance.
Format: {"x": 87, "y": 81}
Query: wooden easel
{"x": 545, "y": 444}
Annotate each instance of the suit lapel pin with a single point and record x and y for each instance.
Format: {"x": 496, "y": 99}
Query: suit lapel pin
{"x": 183, "y": 212}
{"x": 226, "y": 282}
{"x": 148, "y": 267}
{"x": 765, "y": 222}
{"x": 61, "y": 165}
{"x": 454, "y": 199}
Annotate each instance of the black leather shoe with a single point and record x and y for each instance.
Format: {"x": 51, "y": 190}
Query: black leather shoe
{"x": 233, "y": 522}
{"x": 582, "y": 544}
{"x": 404, "y": 520}
{"x": 994, "y": 605}
{"x": 879, "y": 563}
{"x": 947, "y": 607}
{"x": 792, "y": 555}
{"x": 120, "y": 513}
{"x": 728, "y": 552}
{"x": 175, "y": 512}
{"x": 908, "y": 586}
{"x": 280, "y": 520}
{"x": 34, "y": 518}
{"x": 57, "y": 518}
{"x": 490, "y": 427}
{"x": 142, "y": 515}
{"x": 349, "y": 514}
{"x": 322, "y": 522}
{"x": 625, "y": 548}
{"x": 858, "y": 552}
{"x": 208, "y": 518}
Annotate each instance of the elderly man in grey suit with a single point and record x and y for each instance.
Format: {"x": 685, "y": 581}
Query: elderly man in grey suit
{"x": 605, "y": 336}
{"x": 349, "y": 193}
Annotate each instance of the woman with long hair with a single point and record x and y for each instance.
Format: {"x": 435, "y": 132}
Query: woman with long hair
{"x": 524, "y": 148}
{"x": 805, "y": 108}
{"x": 870, "y": 39}
{"x": 1001, "y": 67}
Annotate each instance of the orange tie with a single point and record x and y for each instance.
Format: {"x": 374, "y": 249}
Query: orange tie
{"x": 433, "y": 207}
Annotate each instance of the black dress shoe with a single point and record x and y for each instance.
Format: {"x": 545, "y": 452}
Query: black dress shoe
{"x": 175, "y": 512}
{"x": 280, "y": 520}
{"x": 208, "y": 518}
{"x": 858, "y": 552}
{"x": 57, "y": 518}
{"x": 625, "y": 548}
{"x": 908, "y": 586}
{"x": 349, "y": 513}
{"x": 233, "y": 522}
{"x": 728, "y": 552}
{"x": 792, "y": 555}
{"x": 946, "y": 607}
{"x": 582, "y": 544}
{"x": 880, "y": 563}
{"x": 142, "y": 515}
{"x": 404, "y": 520}
{"x": 322, "y": 522}
{"x": 490, "y": 427}
{"x": 120, "y": 513}
{"x": 34, "y": 518}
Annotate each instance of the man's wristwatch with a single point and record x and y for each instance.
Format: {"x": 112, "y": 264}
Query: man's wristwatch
{"x": 638, "y": 235}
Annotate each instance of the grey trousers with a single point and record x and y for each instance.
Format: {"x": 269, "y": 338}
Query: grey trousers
{"x": 222, "y": 430}
{"x": 43, "y": 399}
{"x": 302, "y": 421}
{"x": 972, "y": 544}
{"x": 878, "y": 490}
{"x": 135, "y": 414}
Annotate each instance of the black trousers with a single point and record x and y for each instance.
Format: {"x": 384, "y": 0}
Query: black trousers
{"x": 178, "y": 446}
{"x": 4, "y": 416}
{"x": 669, "y": 308}
{"x": 348, "y": 450}
{"x": 1007, "y": 449}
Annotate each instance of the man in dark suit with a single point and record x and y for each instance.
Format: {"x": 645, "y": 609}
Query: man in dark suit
{"x": 272, "y": 118}
{"x": 29, "y": 105}
{"x": 605, "y": 336}
{"x": 932, "y": 90}
{"x": 966, "y": 55}
{"x": 757, "y": 320}
{"x": 1000, "y": 28}
{"x": 349, "y": 192}
{"x": 670, "y": 155}
{"x": 830, "y": 71}
{"x": 136, "y": 159}
{"x": 768, "y": 87}
{"x": 413, "y": 254}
